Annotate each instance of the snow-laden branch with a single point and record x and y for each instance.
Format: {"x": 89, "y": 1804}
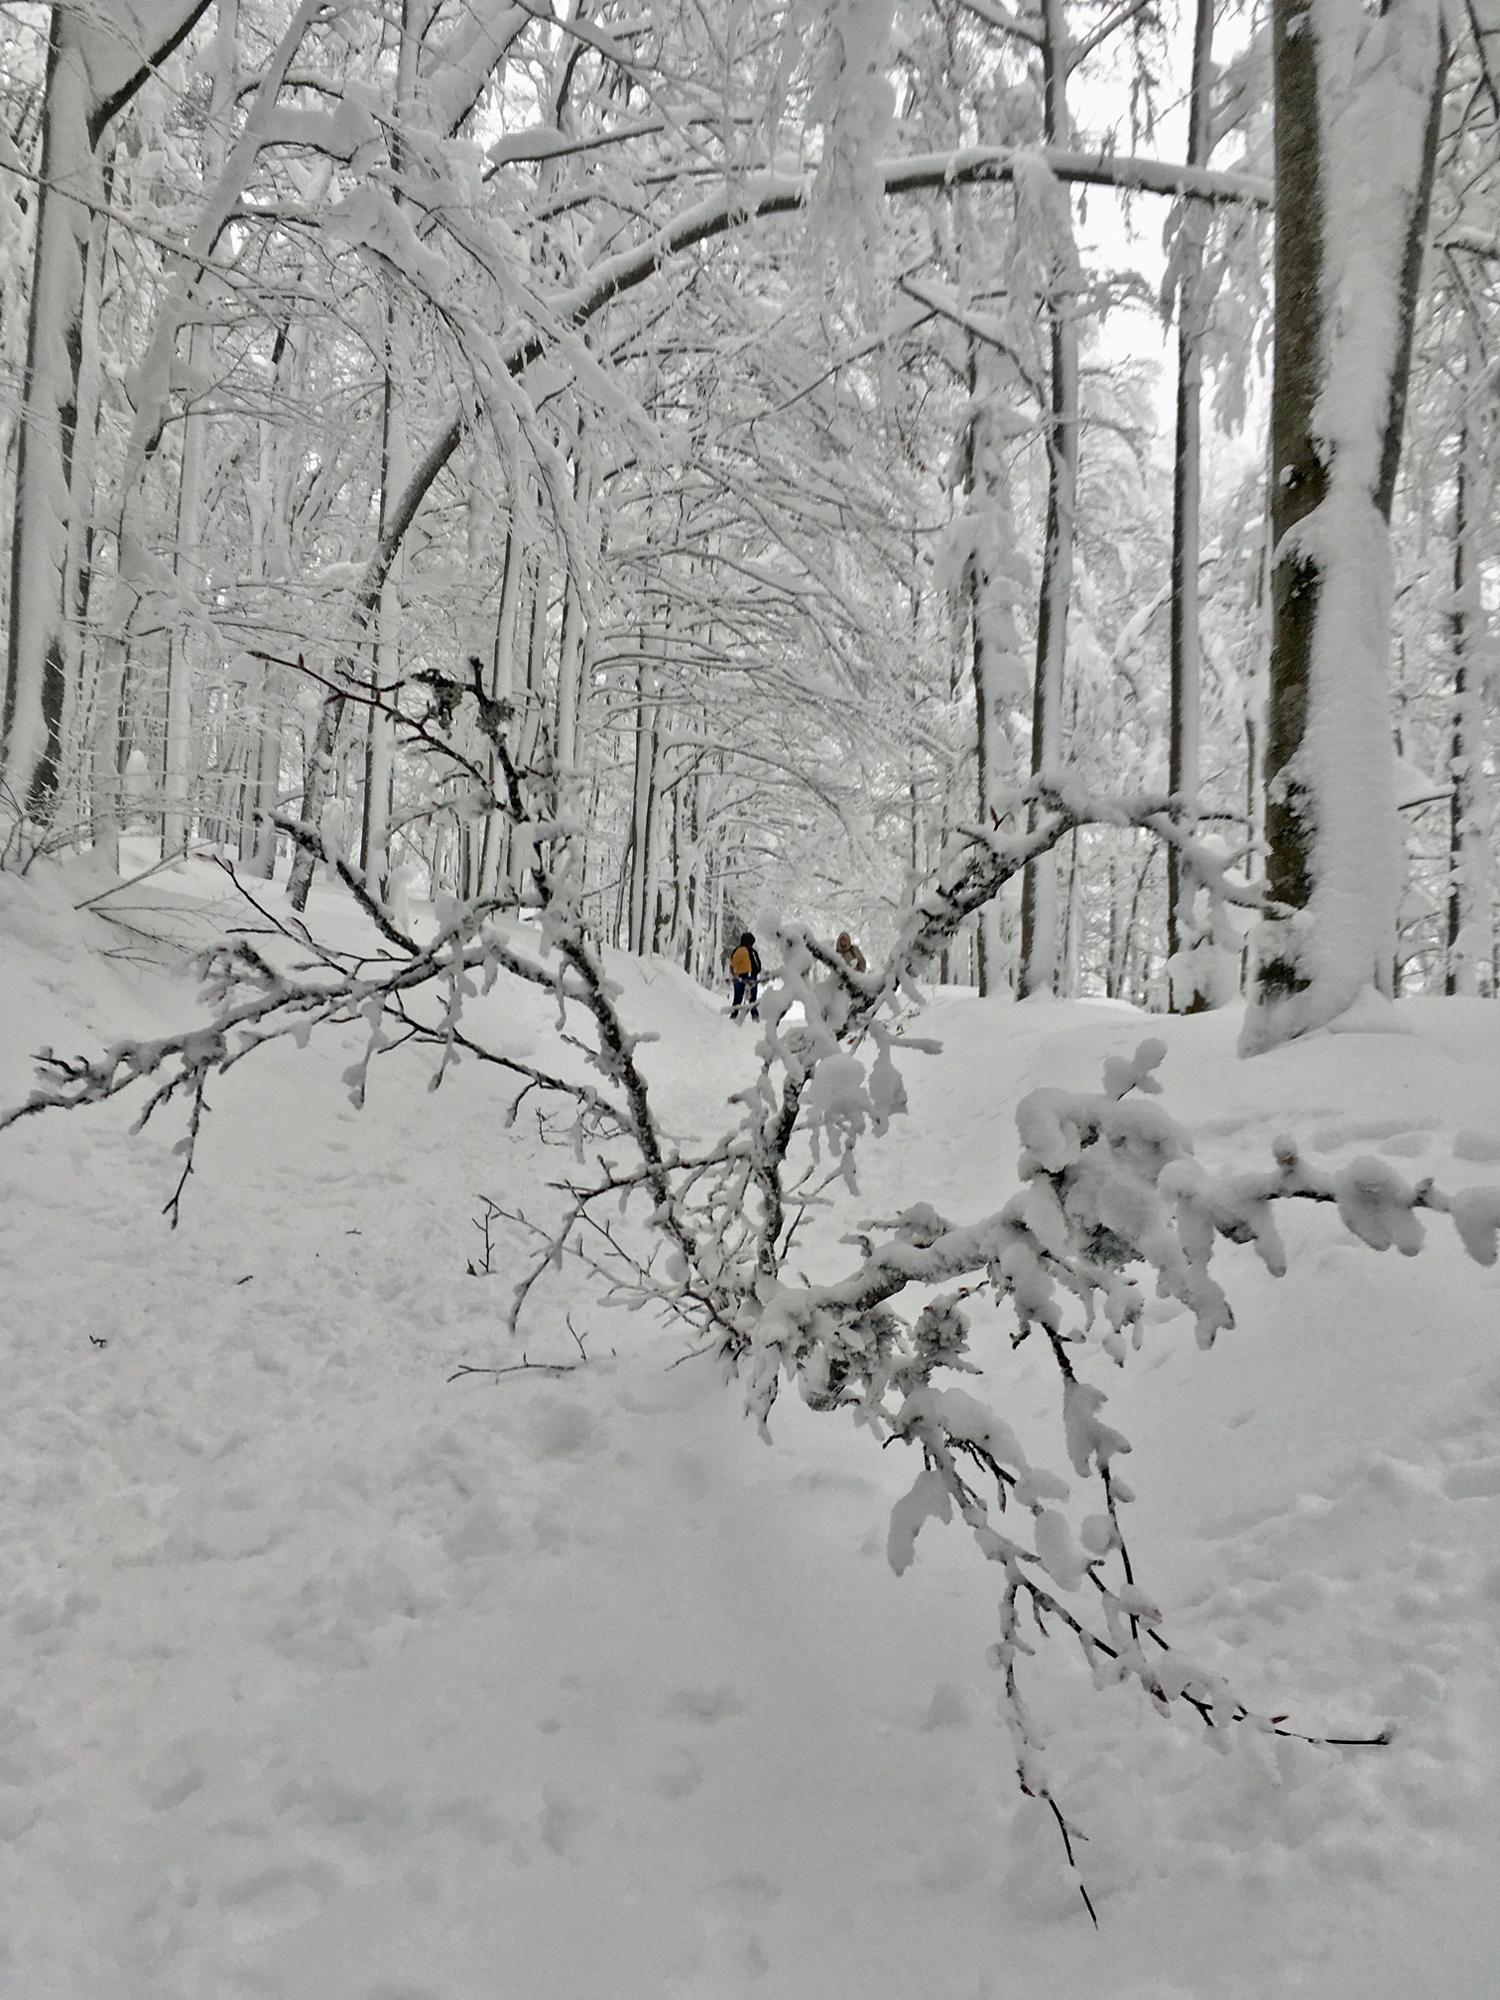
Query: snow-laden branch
{"x": 995, "y": 15}
{"x": 765, "y": 194}
{"x": 1112, "y": 1202}
{"x": 1002, "y": 163}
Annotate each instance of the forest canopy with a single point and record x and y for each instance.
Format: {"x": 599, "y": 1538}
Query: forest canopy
{"x": 738, "y": 387}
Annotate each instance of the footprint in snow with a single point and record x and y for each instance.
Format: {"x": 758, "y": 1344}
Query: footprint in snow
{"x": 559, "y": 1428}
{"x": 470, "y": 1819}
{"x": 747, "y": 1895}
{"x": 176, "y": 1772}
{"x": 679, "y": 1776}
{"x": 277, "y": 1898}
{"x": 705, "y": 1704}
{"x": 563, "y": 1820}
{"x": 948, "y": 1709}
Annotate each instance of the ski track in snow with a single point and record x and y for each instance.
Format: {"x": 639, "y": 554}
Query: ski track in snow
{"x": 322, "y": 1678}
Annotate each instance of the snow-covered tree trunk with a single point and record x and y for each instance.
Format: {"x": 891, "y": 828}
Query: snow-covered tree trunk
{"x": 576, "y": 643}
{"x": 34, "y": 685}
{"x": 1357, "y": 98}
{"x": 1040, "y": 942}
{"x": 1186, "y": 993}
{"x": 92, "y": 73}
{"x": 395, "y": 469}
{"x": 572, "y": 673}
{"x": 187, "y": 561}
{"x": 380, "y": 741}
{"x": 1469, "y": 938}
{"x": 495, "y": 853}
{"x": 227, "y": 168}
{"x": 188, "y": 554}
{"x": 79, "y": 572}
{"x": 995, "y": 578}
{"x": 530, "y": 745}
{"x": 643, "y": 810}
{"x": 263, "y": 790}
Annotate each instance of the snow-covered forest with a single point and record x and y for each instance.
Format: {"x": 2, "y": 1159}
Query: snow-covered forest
{"x": 979, "y": 523}
{"x": 746, "y": 395}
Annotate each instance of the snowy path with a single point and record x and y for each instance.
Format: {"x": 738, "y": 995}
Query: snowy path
{"x": 324, "y": 1679}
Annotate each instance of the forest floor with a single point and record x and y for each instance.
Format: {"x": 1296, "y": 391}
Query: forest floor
{"x": 324, "y": 1677}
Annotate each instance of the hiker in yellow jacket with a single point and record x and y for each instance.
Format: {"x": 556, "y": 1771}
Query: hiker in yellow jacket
{"x": 744, "y": 965}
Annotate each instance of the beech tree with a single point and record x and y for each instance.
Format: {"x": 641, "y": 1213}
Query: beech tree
{"x": 1358, "y": 100}
{"x": 95, "y": 66}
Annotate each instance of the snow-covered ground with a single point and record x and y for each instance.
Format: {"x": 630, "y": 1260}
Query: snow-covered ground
{"x": 323, "y": 1677}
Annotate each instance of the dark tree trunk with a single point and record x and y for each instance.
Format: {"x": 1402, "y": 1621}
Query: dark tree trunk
{"x": 1182, "y": 748}
{"x": 1332, "y": 858}
{"x": 1039, "y": 940}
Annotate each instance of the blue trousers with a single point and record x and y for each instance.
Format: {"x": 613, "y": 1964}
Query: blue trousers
{"x": 746, "y": 987}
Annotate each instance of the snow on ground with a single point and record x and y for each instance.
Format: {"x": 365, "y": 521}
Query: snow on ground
{"x": 325, "y": 1678}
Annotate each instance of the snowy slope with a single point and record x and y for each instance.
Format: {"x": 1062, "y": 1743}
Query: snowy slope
{"x": 322, "y": 1677}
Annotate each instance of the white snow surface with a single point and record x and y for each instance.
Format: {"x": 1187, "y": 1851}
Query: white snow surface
{"x": 325, "y": 1678}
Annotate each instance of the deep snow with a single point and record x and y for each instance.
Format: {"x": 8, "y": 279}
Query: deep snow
{"x": 326, "y": 1678}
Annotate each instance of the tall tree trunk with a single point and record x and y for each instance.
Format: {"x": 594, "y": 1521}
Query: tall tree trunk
{"x": 994, "y": 581}
{"x": 78, "y": 577}
{"x": 31, "y": 723}
{"x": 532, "y": 750}
{"x": 643, "y": 811}
{"x": 1186, "y": 995}
{"x": 577, "y": 641}
{"x": 494, "y": 859}
{"x": 385, "y": 671}
{"x": 1468, "y": 939}
{"x": 380, "y": 753}
{"x": 1357, "y": 102}
{"x": 187, "y": 564}
{"x": 152, "y": 383}
{"x": 258, "y": 837}
{"x": 1038, "y": 969}
{"x": 572, "y": 675}
{"x": 187, "y": 557}
{"x": 91, "y": 75}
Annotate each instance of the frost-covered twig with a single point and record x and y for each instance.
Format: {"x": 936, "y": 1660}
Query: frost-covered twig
{"x": 521, "y": 1367}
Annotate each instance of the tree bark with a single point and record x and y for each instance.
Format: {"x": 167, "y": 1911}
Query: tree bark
{"x": 31, "y": 724}
{"x": 79, "y": 574}
{"x": 994, "y": 580}
{"x": 1468, "y": 935}
{"x": 1356, "y": 103}
{"x": 1038, "y": 968}
{"x": 643, "y": 811}
{"x": 1186, "y": 996}
{"x": 91, "y": 75}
